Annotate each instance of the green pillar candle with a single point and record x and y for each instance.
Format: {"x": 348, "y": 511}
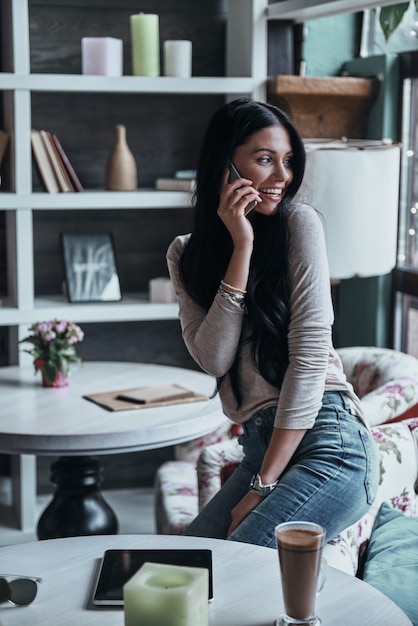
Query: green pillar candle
{"x": 167, "y": 595}
{"x": 145, "y": 44}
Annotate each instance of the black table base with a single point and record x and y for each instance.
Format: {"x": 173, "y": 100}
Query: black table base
{"x": 78, "y": 507}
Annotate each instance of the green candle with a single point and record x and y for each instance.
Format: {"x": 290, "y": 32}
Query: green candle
{"x": 145, "y": 44}
{"x": 167, "y": 595}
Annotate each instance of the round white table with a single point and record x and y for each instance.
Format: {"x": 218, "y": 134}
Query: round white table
{"x": 60, "y": 422}
{"x": 247, "y": 590}
{"x": 36, "y": 420}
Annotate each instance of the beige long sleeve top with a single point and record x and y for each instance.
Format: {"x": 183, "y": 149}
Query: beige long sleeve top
{"x": 213, "y": 337}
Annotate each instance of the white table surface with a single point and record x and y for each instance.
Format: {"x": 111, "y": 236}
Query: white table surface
{"x": 247, "y": 588}
{"x": 60, "y": 422}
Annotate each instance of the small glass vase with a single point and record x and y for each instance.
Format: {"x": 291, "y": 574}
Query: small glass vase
{"x": 59, "y": 381}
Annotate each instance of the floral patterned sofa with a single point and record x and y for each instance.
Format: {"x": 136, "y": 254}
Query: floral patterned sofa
{"x": 397, "y": 444}
{"x": 387, "y": 383}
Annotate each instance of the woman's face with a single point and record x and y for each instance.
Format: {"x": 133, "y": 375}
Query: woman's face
{"x": 266, "y": 160}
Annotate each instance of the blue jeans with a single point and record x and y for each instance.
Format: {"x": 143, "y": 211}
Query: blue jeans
{"x": 332, "y": 478}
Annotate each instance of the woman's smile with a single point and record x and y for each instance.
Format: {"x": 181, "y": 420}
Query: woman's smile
{"x": 274, "y": 194}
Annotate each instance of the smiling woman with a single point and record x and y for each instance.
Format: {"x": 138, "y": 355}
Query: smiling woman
{"x": 255, "y": 310}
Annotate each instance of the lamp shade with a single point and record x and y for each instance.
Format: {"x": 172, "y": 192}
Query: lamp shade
{"x": 354, "y": 185}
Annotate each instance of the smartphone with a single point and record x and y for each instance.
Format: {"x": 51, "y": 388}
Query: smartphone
{"x": 118, "y": 566}
{"x": 235, "y": 175}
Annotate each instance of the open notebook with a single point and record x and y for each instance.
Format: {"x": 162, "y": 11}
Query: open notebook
{"x": 145, "y": 397}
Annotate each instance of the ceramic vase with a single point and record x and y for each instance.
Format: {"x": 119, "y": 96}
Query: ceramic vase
{"x": 121, "y": 173}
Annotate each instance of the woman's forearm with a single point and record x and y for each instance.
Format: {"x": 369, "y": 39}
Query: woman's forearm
{"x": 239, "y": 267}
{"x": 281, "y": 448}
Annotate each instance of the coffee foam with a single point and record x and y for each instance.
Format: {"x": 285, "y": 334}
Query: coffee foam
{"x": 299, "y": 538}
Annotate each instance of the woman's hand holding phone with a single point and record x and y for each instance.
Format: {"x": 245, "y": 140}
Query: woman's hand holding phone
{"x": 237, "y": 198}
{"x": 235, "y": 175}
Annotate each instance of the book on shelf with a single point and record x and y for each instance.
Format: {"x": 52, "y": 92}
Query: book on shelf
{"x": 4, "y": 140}
{"x": 60, "y": 173}
{"x": 66, "y": 161}
{"x": 54, "y": 166}
{"x": 43, "y": 162}
{"x": 174, "y": 184}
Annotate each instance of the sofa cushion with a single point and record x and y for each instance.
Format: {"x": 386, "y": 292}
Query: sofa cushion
{"x": 397, "y": 446}
{"x": 392, "y": 559}
{"x": 385, "y": 380}
{"x": 406, "y": 415}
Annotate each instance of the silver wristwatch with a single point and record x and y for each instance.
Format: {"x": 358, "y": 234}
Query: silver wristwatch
{"x": 256, "y": 486}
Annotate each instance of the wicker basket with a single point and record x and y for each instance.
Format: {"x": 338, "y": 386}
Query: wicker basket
{"x": 330, "y": 107}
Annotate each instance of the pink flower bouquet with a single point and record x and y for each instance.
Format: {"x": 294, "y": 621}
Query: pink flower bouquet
{"x": 53, "y": 347}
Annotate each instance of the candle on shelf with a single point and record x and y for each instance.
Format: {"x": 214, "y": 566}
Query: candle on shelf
{"x": 145, "y": 44}
{"x": 161, "y": 290}
{"x": 102, "y": 56}
{"x": 178, "y": 58}
{"x": 168, "y": 595}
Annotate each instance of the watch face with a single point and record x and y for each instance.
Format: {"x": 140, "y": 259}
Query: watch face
{"x": 255, "y": 482}
{"x": 262, "y": 490}
{"x": 255, "y": 485}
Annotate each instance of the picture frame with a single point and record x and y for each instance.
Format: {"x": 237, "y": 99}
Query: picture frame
{"x": 90, "y": 267}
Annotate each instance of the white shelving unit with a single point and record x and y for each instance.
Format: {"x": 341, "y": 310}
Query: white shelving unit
{"x": 246, "y": 76}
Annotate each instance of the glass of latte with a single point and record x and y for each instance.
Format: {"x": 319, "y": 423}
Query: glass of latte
{"x": 300, "y": 546}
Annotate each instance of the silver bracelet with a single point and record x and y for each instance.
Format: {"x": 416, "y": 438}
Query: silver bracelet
{"x": 232, "y": 297}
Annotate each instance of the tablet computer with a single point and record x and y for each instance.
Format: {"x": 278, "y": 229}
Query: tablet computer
{"x": 118, "y": 566}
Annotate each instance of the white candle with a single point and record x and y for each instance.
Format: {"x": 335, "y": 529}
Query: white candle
{"x": 161, "y": 290}
{"x": 102, "y": 56}
{"x": 178, "y": 58}
{"x": 145, "y": 44}
{"x": 167, "y": 595}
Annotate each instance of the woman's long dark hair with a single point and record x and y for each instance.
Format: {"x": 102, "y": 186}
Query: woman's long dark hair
{"x": 207, "y": 254}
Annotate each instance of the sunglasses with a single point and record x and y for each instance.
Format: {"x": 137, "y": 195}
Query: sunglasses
{"x": 20, "y": 590}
